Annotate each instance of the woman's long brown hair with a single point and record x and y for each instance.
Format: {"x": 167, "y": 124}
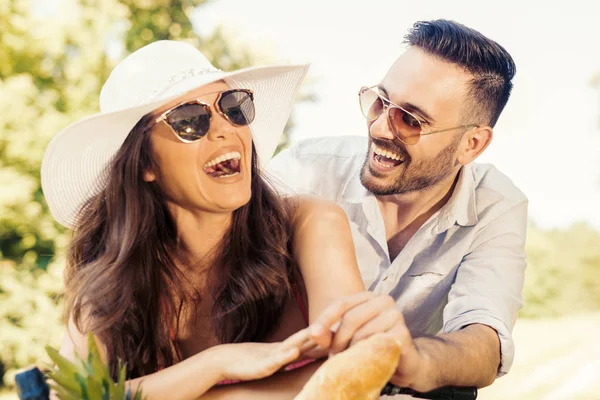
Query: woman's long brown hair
{"x": 123, "y": 276}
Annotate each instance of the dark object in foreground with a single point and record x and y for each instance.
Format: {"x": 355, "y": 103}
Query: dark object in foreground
{"x": 31, "y": 385}
{"x": 445, "y": 393}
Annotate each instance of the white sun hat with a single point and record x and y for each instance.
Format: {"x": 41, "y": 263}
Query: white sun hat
{"x": 74, "y": 165}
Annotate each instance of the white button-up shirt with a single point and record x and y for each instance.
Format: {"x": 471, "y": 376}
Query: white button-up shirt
{"x": 465, "y": 265}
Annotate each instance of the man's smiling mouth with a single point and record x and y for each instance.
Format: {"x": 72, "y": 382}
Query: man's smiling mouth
{"x": 385, "y": 159}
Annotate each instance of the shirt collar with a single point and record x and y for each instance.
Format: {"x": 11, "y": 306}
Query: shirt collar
{"x": 461, "y": 207}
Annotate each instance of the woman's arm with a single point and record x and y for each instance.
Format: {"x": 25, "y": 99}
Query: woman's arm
{"x": 281, "y": 386}
{"x": 194, "y": 376}
{"x": 324, "y": 251}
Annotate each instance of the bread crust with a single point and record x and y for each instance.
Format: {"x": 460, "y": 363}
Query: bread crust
{"x": 359, "y": 373}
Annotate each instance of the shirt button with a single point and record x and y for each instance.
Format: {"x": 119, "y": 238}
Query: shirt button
{"x": 384, "y": 278}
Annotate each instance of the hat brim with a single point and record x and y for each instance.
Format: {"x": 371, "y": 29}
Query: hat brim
{"x": 74, "y": 165}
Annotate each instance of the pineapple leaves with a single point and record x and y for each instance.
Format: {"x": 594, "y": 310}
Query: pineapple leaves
{"x": 89, "y": 381}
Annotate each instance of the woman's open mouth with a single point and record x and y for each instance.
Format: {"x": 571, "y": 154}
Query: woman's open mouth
{"x": 224, "y": 166}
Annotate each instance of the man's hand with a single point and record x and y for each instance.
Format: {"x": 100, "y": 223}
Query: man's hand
{"x": 467, "y": 357}
{"x": 359, "y": 316}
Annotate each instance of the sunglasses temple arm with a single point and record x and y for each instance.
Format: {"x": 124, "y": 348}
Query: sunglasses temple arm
{"x": 451, "y": 129}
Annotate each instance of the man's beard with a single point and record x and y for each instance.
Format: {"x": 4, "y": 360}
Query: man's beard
{"x": 414, "y": 175}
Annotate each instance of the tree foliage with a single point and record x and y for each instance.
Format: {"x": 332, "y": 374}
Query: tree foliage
{"x": 55, "y": 56}
{"x": 563, "y": 272}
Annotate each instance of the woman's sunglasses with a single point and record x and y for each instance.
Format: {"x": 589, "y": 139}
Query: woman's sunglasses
{"x": 190, "y": 121}
{"x": 405, "y": 126}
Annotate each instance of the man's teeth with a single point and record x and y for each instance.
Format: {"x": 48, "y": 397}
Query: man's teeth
{"x": 385, "y": 153}
{"x": 234, "y": 155}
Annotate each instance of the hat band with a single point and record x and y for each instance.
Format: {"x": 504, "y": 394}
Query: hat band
{"x": 178, "y": 77}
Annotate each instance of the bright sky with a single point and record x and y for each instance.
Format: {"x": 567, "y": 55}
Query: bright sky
{"x": 548, "y": 138}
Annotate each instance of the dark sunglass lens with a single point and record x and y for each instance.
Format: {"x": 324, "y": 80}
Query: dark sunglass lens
{"x": 189, "y": 121}
{"x": 370, "y": 104}
{"x": 238, "y": 106}
{"x": 405, "y": 125}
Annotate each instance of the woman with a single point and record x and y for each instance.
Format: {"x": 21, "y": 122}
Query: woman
{"x": 184, "y": 263}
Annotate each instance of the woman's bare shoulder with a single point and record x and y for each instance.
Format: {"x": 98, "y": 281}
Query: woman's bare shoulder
{"x": 305, "y": 206}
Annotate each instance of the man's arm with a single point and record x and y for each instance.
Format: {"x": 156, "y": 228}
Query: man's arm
{"x": 476, "y": 345}
{"x": 468, "y": 357}
{"x": 489, "y": 282}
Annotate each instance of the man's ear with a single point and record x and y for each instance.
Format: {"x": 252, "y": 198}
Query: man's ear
{"x": 474, "y": 142}
{"x": 149, "y": 176}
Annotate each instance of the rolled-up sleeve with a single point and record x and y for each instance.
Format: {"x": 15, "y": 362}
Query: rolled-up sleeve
{"x": 489, "y": 281}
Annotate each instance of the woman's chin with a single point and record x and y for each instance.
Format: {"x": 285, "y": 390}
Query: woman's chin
{"x": 231, "y": 201}
{"x": 225, "y": 194}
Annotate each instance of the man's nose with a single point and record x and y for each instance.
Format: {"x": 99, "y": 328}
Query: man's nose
{"x": 380, "y": 128}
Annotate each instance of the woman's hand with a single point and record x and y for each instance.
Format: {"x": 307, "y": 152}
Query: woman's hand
{"x": 249, "y": 361}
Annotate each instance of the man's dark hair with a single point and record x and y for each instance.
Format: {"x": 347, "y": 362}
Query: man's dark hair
{"x": 491, "y": 65}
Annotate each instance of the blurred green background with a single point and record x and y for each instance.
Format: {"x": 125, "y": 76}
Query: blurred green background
{"x": 51, "y": 72}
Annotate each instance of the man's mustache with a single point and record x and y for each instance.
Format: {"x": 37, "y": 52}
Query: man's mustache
{"x": 391, "y": 146}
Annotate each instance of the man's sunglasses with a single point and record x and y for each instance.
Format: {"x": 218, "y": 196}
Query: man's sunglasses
{"x": 405, "y": 126}
{"x": 190, "y": 121}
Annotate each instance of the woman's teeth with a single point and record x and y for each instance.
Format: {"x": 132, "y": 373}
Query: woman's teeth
{"x": 234, "y": 155}
{"x": 224, "y": 166}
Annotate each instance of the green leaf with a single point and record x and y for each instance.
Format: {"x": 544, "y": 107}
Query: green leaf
{"x": 94, "y": 389}
{"x": 83, "y": 384}
{"x": 64, "y": 394}
{"x": 68, "y": 382}
{"x": 108, "y": 390}
{"x": 137, "y": 396}
{"x": 65, "y": 366}
{"x": 98, "y": 368}
{"x": 120, "y": 387}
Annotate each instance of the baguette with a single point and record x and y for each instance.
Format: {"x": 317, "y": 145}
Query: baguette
{"x": 359, "y": 373}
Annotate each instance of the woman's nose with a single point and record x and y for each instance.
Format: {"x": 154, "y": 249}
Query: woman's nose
{"x": 220, "y": 127}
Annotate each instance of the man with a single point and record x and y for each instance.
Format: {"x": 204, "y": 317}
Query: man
{"x": 442, "y": 235}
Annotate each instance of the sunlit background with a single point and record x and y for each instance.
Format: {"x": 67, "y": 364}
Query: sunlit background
{"x": 55, "y": 54}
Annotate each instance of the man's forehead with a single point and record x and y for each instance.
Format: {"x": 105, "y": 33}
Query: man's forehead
{"x": 426, "y": 81}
